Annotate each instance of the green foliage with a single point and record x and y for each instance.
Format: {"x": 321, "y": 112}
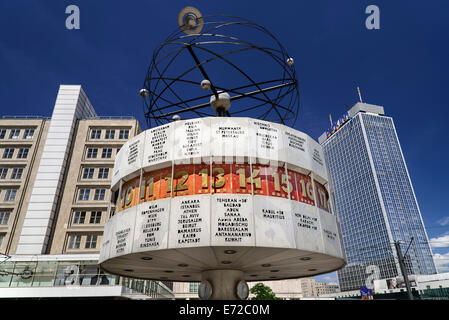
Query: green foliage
{"x": 263, "y": 292}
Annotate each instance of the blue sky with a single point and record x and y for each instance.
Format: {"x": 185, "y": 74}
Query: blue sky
{"x": 403, "y": 67}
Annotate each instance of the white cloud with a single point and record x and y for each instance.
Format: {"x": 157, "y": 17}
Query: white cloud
{"x": 443, "y": 221}
{"x": 440, "y": 242}
{"x": 441, "y": 261}
{"x": 330, "y": 280}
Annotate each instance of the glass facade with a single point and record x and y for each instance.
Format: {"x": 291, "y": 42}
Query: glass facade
{"x": 374, "y": 201}
{"x": 53, "y": 273}
{"x": 73, "y": 273}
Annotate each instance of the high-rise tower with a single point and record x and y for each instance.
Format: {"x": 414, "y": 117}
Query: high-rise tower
{"x": 374, "y": 198}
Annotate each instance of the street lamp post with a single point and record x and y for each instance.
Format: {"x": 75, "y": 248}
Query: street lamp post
{"x": 402, "y": 266}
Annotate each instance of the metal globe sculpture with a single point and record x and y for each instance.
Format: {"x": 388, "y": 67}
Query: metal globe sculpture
{"x": 220, "y": 54}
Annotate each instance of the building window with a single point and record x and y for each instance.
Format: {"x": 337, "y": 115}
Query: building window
{"x": 23, "y": 153}
{"x": 8, "y": 153}
{"x": 16, "y": 173}
{"x": 74, "y": 241}
{"x": 99, "y": 194}
{"x": 123, "y": 134}
{"x": 79, "y": 217}
{"x": 103, "y": 173}
{"x": 193, "y": 286}
{"x": 95, "y": 217}
{"x": 91, "y": 241}
{"x": 3, "y": 173}
{"x": 88, "y": 173}
{"x": 95, "y": 134}
{"x": 92, "y": 153}
{"x": 28, "y": 134}
{"x": 110, "y": 134}
{"x": 2, "y": 235}
{"x": 84, "y": 194}
{"x": 2, "y": 133}
{"x": 4, "y": 217}
{"x": 14, "y": 134}
{"x": 107, "y": 153}
{"x": 10, "y": 194}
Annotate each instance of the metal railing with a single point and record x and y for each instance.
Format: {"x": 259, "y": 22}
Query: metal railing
{"x": 110, "y": 118}
{"x": 87, "y": 118}
{"x": 25, "y": 117}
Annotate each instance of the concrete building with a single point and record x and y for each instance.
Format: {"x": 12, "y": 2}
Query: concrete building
{"x": 322, "y": 288}
{"x": 21, "y": 145}
{"x": 374, "y": 199}
{"x": 55, "y": 176}
{"x": 308, "y": 287}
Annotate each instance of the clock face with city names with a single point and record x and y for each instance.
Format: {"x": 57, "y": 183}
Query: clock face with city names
{"x": 196, "y": 179}
{"x": 219, "y": 140}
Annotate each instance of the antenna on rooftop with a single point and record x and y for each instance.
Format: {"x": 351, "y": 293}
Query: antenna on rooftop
{"x": 360, "y": 96}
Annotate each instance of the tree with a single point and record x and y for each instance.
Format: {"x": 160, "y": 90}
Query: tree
{"x": 263, "y": 292}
